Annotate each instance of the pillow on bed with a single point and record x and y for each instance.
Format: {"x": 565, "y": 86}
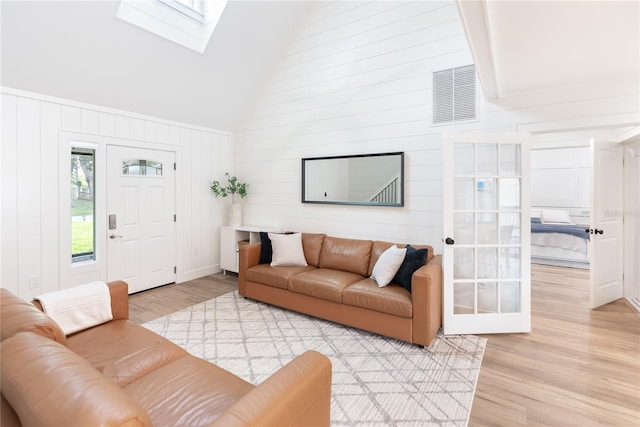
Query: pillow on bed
{"x": 535, "y": 220}
{"x": 556, "y": 216}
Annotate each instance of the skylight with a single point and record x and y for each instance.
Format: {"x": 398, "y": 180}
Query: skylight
{"x": 189, "y": 23}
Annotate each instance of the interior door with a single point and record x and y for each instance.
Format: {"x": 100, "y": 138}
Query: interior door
{"x": 141, "y": 232}
{"x": 606, "y": 226}
{"x": 486, "y": 262}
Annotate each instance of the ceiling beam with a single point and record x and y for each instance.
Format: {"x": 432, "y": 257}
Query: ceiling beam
{"x": 474, "y": 20}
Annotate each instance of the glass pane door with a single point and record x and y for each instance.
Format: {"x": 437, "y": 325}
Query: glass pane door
{"x": 486, "y": 269}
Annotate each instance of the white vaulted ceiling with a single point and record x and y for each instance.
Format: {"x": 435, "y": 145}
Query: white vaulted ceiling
{"x": 81, "y": 51}
{"x": 523, "y": 46}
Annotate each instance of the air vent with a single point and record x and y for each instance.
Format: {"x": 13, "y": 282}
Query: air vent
{"x": 454, "y": 94}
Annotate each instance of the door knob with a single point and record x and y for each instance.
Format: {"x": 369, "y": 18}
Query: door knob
{"x": 449, "y": 241}
{"x": 113, "y": 236}
{"x": 594, "y": 231}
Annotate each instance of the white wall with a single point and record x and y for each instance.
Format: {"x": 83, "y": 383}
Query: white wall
{"x": 34, "y": 154}
{"x": 356, "y": 78}
{"x": 561, "y": 178}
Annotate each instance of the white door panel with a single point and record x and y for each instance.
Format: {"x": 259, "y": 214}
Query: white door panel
{"x": 486, "y": 256}
{"x": 606, "y": 232}
{"x": 141, "y": 249}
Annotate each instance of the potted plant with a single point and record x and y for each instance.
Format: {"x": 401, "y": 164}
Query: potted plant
{"x": 237, "y": 190}
{"x": 232, "y": 187}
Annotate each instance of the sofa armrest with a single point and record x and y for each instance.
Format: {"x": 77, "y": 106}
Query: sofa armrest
{"x": 299, "y": 394}
{"x": 248, "y": 256}
{"x": 426, "y": 296}
{"x": 119, "y": 292}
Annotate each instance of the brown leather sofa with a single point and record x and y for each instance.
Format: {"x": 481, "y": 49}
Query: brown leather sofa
{"x": 122, "y": 374}
{"x": 336, "y": 286}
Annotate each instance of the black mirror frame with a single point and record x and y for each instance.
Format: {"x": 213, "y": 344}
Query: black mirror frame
{"x": 398, "y": 153}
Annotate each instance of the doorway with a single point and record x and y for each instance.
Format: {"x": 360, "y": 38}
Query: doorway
{"x": 141, "y": 227}
{"x": 581, "y": 184}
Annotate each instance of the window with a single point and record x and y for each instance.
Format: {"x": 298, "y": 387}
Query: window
{"x": 141, "y": 167}
{"x": 193, "y": 9}
{"x": 189, "y": 23}
{"x": 454, "y": 94}
{"x": 83, "y": 230}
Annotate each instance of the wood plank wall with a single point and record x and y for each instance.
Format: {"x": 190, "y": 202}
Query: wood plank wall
{"x": 356, "y": 77}
{"x": 36, "y": 131}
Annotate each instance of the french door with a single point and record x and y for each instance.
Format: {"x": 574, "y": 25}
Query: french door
{"x": 486, "y": 256}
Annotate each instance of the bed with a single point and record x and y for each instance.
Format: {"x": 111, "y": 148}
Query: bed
{"x": 557, "y": 240}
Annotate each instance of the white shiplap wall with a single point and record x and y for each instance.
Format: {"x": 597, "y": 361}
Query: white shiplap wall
{"x": 356, "y": 78}
{"x": 34, "y": 152}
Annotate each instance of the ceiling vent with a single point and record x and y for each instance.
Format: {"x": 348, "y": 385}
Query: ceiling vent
{"x": 454, "y": 94}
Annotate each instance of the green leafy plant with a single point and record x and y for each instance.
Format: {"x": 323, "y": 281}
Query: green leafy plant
{"x": 232, "y": 187}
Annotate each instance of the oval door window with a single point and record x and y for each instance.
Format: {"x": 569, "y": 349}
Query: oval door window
{"x": 141, "y": 167}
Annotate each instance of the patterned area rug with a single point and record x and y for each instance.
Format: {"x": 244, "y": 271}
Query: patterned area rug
{"x": 377, "y": 381}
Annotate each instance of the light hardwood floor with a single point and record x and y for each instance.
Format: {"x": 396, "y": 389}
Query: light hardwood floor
{"x": 576, "y": 367}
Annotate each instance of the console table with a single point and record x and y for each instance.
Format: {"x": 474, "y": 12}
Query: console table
{"x": 232, "y": 237}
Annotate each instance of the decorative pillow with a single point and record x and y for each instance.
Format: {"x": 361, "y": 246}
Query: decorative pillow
{"x": 387, "y": 265}
{"x": 266, "y": 251}
{"x": 413, "y": 260}
{"x": 287, "y": 250}
{"x": 555, "y": 216}
{"x": 535, "y": 220}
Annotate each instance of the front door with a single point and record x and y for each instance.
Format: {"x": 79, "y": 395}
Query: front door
{"x": 486, "y": 262}
{"x": 606, "y": 227}
{"x": 141, "y": 232}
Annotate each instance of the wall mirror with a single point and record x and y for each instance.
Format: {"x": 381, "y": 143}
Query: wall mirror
{"x": 364, "y": 179}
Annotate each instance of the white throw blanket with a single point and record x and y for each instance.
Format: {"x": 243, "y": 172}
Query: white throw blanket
{"x": 78, "y": 308}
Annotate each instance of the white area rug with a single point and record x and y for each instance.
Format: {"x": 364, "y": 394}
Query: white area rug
{"x": 377, "y": 381}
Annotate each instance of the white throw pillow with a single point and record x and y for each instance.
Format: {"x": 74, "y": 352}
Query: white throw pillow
{"x": 287, "y": 250}
{"x": 554, "y": 216}
{"x": 387, "y": 265}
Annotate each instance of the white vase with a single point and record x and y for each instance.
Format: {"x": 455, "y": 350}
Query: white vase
{"x": 235, "y": 219}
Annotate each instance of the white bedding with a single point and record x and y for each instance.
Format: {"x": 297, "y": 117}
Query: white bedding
{"x": 560, "y": 240}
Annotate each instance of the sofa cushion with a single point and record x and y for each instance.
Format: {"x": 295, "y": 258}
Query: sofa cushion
{"x": 413, "y": 260}
{"x": 287, "y": 250}
{"x": 47, "y": 384}
{"x": 266, "y": 251}
{"x": 18, "y": 315}
{"x": 392, "y": 299}
{"x": 323, "y": 283}
{"x": 346, "y": 255}
{"x": 123, "y": 350}
{"x": 378, "y": 247}
{"x": 387, "y": 265}
{"x": 312, "y": 244}
{"x": 273, "y": 276}
{"x": 8, "y": 417}
{"x": 187, "y": 392}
